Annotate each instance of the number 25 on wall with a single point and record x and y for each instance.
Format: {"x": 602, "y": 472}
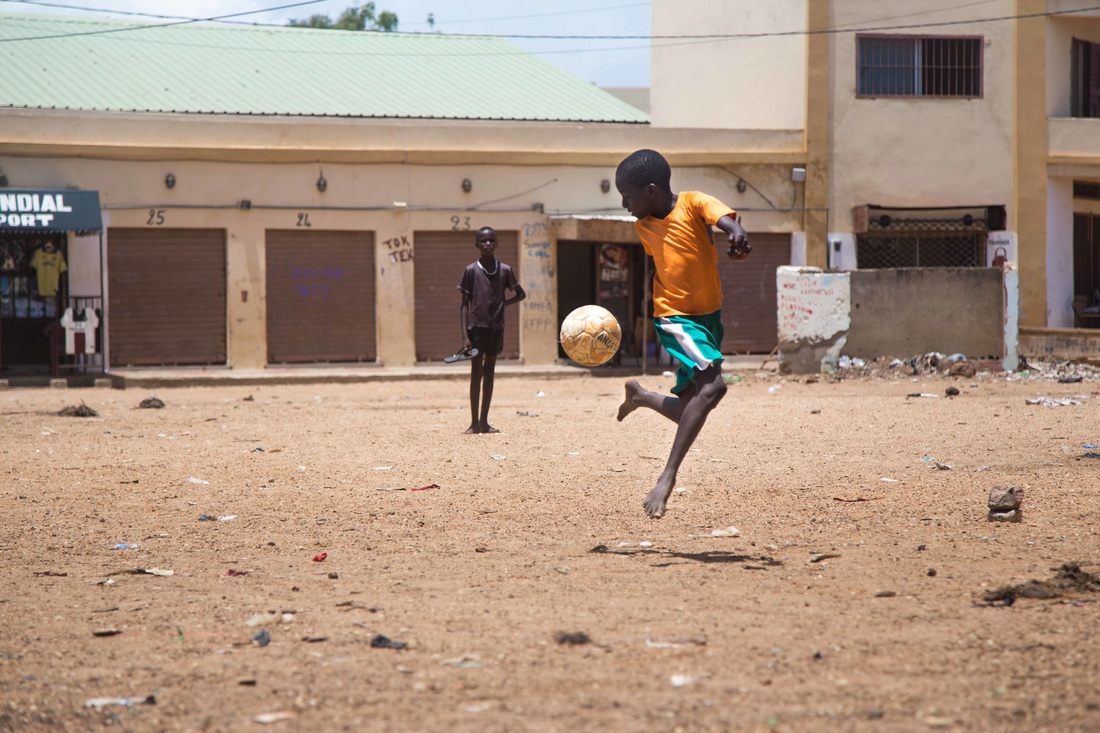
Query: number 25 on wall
{"x": 156, "y": 218}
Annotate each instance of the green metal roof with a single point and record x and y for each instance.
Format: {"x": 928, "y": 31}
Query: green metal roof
{"x": 108, "y": 65}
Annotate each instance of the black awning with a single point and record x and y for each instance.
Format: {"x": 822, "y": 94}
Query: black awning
{"x": 27, "y": 211}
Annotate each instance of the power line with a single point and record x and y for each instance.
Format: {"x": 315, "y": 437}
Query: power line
{"x": 687, "y": 38}
{"x": 184, "y": 21}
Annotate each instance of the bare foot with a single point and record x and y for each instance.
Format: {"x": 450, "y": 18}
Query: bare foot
{"x": 487, "y": 428}
{"x": 472, "y": 430}
{"x": 628, "y": 406}
{"x": 656, "y": 500}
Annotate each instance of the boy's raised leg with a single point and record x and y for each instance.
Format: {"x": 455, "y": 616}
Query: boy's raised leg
{"x": 638, "y": 396}
{"x": 696, "y": 403}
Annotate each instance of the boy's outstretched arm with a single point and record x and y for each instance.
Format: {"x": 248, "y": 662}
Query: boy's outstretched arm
{"x": 738, "y": 238}
{"x": 520, "y": 294}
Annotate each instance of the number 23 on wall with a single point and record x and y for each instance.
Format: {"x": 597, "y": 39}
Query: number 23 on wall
{"x": 460, "y": 223}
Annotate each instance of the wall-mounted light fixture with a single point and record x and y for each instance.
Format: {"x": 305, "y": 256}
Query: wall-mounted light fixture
{"x": 742, "y": 186}
{"x": 322, "y": 184}
{"x": 467, "y": 185}
{"x": 170, "y": 181}
{"x": 605, "y": 185}
{"x": 3, "y": 180}
{"x": 244, "y": 204}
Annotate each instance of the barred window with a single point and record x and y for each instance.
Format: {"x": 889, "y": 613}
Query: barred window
{"x": 899, "y": 66}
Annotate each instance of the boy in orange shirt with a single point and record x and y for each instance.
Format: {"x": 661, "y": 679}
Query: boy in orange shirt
{"x": 687, "y": 300}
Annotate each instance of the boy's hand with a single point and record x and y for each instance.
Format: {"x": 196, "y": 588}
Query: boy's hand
{"x": 739, "y": 242}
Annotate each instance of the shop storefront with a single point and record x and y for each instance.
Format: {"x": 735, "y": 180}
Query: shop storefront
{"x": 50, "y": 316}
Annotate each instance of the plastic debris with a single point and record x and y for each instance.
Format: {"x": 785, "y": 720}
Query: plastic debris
{"x": 727, "y": 532}
{"x": 320, "y": 557}
{"x": 682, "y": 680}
{"x": 207, "y": 518}
{"x": 923, "y": 394}
{"x": 99, "y": 703}
{"x": 234, "y": 573}
{"x": 1053, "y": 402}
{"x": 193, "y": 480}
{"x": 123, "y": 546}
{"x": 261, "y": 637}
{"x": 265, "y": 718}
{"x": 227, "y": 518}
{"x": 674, "y": 643}
{"x": 106, "y": 632}
{"x": 378, "y": 641}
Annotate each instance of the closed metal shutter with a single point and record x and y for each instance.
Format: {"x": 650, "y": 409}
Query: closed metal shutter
{"x": 749, "y": 293}
{"x": 166, "y": 296}
{"x": 440, "y": 259}
{"x": 320, "y": 296}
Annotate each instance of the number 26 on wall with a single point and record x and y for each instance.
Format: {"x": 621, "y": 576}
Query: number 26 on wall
{"x": 156, "y": 218}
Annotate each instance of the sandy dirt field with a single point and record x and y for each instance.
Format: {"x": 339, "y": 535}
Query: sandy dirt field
{"x": 865, "y": 591}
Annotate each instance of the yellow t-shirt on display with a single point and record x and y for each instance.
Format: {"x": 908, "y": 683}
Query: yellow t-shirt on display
{"x": 686, "y": 282}
{"x": 48, "y": 266}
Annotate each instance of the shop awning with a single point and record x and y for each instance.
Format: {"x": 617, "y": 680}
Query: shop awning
{"x": 49, "y": 211}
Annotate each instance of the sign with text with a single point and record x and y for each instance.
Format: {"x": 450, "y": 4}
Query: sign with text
{"x": 29, "y": 210}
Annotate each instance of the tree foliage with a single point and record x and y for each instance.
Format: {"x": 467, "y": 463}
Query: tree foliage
{"x": 354, "y": 18}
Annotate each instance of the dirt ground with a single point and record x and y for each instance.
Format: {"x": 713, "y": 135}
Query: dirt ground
{"x": 531, "y": 590}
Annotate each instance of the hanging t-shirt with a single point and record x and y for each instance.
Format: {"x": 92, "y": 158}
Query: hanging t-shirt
{"x": 49, "y": 266}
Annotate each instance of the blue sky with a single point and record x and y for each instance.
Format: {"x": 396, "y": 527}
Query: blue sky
{"x": 607, "y": 63}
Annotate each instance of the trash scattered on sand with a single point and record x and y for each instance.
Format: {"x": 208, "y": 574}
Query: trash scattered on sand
{"x": 675, "y": 643}
{"x": 1053, "y": 402}
{"x": 265, "y": 718}
{"x": 682, "y": 680}
{"x": 81, "y": 410}
{"x": 99, "y": 703}
{"x": 572, "y": 638}
{"x": 124, "y": 546}
{"x": 193, "y": 480}
{"x": 727, "y": 532}
{"x": 151, "y": 403}
{"x": 379, "y": 641}
{"x": 261, "y": 637}
{"x": 320, "y": 557}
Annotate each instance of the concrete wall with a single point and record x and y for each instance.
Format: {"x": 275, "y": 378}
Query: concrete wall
{"x": 916, "y": 311}
{"x": 737, "y": 83}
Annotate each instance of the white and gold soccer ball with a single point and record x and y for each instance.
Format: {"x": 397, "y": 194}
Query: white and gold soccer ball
{"x": 590, "y": 335}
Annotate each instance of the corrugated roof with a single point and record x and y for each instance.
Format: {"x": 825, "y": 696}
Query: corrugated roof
{"x": 117, "y": 66}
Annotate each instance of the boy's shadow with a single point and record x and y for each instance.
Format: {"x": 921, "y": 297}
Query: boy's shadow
{"x": 708, "y": 556}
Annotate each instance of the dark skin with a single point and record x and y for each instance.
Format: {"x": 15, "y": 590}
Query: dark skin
{"x": 483, "y": 366}
{"x": 689, "y": 409}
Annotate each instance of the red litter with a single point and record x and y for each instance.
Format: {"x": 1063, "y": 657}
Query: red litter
{"x": 425, "y": 488}
{"x": 320, "y": 558}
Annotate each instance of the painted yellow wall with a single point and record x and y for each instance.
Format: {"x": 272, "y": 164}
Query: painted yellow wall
{"x": 743, "y": 83}
{"x": 921, "y": 151}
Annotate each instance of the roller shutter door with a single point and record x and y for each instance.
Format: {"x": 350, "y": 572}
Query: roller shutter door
{"x": 749, "y": 293}
{"x": 440, "y": 259}
{"x": 320, "y": 297}
{"x": 166, "y": 300}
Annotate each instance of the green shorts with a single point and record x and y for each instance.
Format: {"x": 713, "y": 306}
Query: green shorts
{"x": 695, "y": 341}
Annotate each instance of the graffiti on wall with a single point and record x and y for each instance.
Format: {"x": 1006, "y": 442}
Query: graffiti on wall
{"x": 537, "y": 279}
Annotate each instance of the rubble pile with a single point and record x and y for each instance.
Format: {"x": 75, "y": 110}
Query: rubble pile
{"x": 935, "y": 364}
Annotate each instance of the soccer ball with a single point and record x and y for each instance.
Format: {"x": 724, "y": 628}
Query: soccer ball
{"x": 590, "y": 335}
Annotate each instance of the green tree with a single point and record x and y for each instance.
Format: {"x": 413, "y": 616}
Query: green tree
{"x": 354, "y": 18}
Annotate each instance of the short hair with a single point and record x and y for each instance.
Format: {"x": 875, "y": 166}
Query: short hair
{"x": 643, "y": 167}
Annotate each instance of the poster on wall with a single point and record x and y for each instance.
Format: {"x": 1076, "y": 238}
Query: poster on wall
{"x": 614, "y": 285}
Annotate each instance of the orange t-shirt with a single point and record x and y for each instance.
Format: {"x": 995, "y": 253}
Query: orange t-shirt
{"x": 686, "y": 282}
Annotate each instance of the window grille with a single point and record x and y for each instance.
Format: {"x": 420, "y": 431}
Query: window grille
{"x": 1085, "y": 79}
{"x": 900, "y": 66}
{"x": 1086, "y": 254}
